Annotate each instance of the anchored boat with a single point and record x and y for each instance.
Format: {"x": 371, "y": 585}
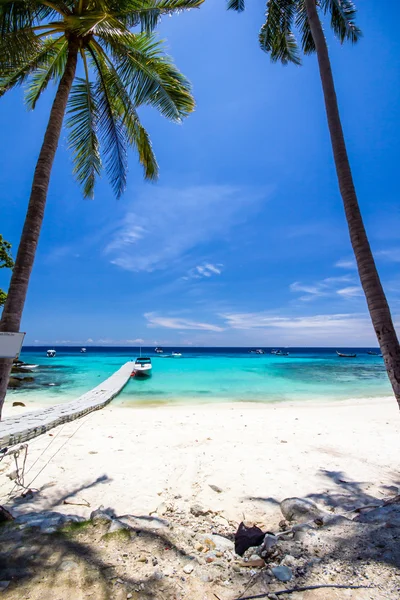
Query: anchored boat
{"x": 142, "y": 367}
{"x": 51, "y": 353}
{"x": 345, "y": 355}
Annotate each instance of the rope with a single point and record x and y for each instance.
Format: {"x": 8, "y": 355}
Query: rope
{"x": 57, "y": 451}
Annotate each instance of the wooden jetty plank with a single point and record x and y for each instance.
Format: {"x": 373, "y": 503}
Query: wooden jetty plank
{"x": 24, "y": 427}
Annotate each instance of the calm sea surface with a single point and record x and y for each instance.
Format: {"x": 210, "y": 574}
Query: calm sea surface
{"x": 210, "y": 375}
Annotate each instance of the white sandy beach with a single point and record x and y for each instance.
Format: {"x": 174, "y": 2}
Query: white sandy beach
{"x": 134, "y": 459}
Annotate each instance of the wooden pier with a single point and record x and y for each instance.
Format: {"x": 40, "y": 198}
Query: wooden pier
{"x": 24, "y": 427}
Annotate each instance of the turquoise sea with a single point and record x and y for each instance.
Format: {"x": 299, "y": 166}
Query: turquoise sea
{"x": 210, "y": 375}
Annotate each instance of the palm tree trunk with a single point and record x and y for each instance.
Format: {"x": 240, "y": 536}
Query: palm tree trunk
{"x": 369, "y": 277}
{"x": 13, "y": 308}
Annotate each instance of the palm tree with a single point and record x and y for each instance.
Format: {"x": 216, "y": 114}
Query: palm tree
{"x": 278, "y": 39}
{"x": 43, "y": 41}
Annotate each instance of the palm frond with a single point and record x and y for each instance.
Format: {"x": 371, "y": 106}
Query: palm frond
{"x": 20, "y": 14}
{"x": 276, "y": 36}
{"x": 111, "y": 131}
{"x": 147, "y": 13}
{"x": 307, "y": 41}
{"x": 343, "y": 15}
{"x": 15, "y": 74}
{"x": 149, "y": 75}
{"x": 52, "y": 68}
{"x": 237, "y": 5}
{"x": 82, "y": 122}
{"x": 17, "y": 47}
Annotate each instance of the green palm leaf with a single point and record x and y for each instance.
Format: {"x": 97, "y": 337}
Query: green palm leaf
{"x": 111, "y": 130}
{"x": 307, "y": 42}
{"x": 237, "y": 5}
{"x": 53, "y": 68}
{"x": 343, "y": 14}
{"x": 82, "y": 122}
{"x": 276, "y": 36}
{"x": 16, "y": 73}
{"x": 149, "y": 75}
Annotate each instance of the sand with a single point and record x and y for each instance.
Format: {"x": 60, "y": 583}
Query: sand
{"x": 134, "y": 459}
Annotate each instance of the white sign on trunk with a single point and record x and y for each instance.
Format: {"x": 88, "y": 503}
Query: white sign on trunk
{"x": 10, "y": 344}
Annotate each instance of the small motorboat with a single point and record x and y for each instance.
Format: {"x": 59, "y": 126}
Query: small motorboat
{"x": 373, "y": 353}
{"x": 83, "y": 350}
{"x": 159, "y": 350}
{"x": 25, "y": 366}
{"x": 259, "y": 351}
{"x": 176, "y": 355}
{"x": 51, "y": 353}
{"x": 345, "y": 355}
{"x": 142, "y": 367}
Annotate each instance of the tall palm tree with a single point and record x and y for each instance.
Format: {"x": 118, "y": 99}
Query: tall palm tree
{"x": 43, "y": 41}
{"x": 277, "y": 38}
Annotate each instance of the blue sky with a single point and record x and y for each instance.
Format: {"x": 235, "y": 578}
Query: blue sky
{"x": 243, "y": 240}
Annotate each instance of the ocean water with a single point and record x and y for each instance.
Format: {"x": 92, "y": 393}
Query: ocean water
{"x": 209, "y": 375}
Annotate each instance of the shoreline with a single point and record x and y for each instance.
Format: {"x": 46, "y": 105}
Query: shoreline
{"x": 31, "y": 404}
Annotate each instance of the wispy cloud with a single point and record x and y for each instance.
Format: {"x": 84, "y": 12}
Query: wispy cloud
{"x": 391, "y": 254}
{"x": 205, "y": 270}
{"x": 164, "y": 224}
{"x": 346, "y": 263}
{"x": 340, "y": 328}
{"x": 155, "y": 320}
{"x": 352, "y": 291}
{"x": 329, "y": 286}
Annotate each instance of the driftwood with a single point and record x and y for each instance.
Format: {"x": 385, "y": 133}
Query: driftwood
{"x": 304, "y": 589}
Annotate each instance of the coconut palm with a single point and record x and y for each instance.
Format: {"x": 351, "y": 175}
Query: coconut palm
{"x": 103, "y": 71}
{"x": 285, "y": 18}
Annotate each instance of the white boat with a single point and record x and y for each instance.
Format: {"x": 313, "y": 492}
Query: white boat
{"x": 159, "y": 350}
{"x": 83, "y": 350}
{"x": 176, "y": 355}
{"x": 51, "y": 353}
{"x": 28, "y": 366}
{"x": 142, "y": 367}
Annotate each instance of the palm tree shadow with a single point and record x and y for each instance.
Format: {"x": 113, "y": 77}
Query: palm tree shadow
{"x": 377, "y": 542}
{"x": 87, "y": 551}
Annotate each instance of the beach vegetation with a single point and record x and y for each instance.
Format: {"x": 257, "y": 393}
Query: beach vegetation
{"x": 6, "y": 262}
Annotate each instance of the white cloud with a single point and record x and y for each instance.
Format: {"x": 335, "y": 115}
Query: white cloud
{"x": 178, "y": 323}
{"x": 391, "y": 255}
{"x": 205, "y": 270}
{"x": 325, "y": 329}
{"x": 163, "y": 224}
{"x": 350, "y": 291}
{"x": 326, "y": 287}
{"x": 346, "y": 264}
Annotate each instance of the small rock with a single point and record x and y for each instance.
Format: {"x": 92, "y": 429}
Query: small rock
{"x": 273, "y": 597}
{"x": 301, "y": 510}
{"x": 219, "y": 542}
{"x": 198, "y": 511}
{"x": 142, "y": 558}
{"x": 18, "y": 404}
{"x": 154, "y": 561}
{"x": 188, "y": 569}
{"x": 215, "y": 488}
{"x": 100, "y": 516}
{"x": 68, "y": 565}
{"x": 162, "y": 509}
{"x": 289, "y": 561}
{"x": 129, "y": 596}
{"x": 116, "y": 526}
{"x": 282, "y": 573}
{"x": 199, "y": 547}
